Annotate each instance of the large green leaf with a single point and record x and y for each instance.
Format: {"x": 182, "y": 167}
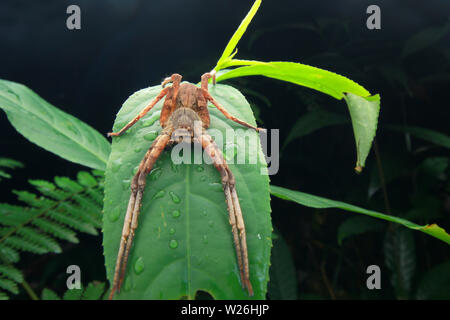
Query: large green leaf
{"x": 312, "y": 201}
{"x": 183, "y": 242}
{"x": 52, "y": 129}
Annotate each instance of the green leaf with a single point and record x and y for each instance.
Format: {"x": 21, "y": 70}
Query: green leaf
{"x": 432, "y": 136}
{"x": 73, "y": 294}
{"x": 48, "y": 294}
{"x": 435, "y": 283}
{"x": 238, "y": 34}
{"x": 11, "y": 273}
{"x": 313, "y": 121}
{"x": 425, "y": 38}
{"x": 356, "y": 225}
{"x": 323, "y": 203}
{"x": 52, "y": 129}
{"x": 400, "y": 258}
{"x": 283, "y": 279}
{"x": 364, "y": 113}
{"x": 184, "y": 242}
{"x": 93, "y": 291}
{"x": 318, "y": 79}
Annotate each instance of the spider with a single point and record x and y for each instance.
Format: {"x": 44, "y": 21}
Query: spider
{"x": 185, "y": 106}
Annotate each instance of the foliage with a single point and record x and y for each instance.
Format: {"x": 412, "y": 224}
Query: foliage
{"x": 74, "y": 140}
{"x": 94, "y": 291}
{"x": 56, "y": 212}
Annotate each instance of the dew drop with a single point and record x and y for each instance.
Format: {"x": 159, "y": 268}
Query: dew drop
{"x": 151, "y": 135}
{"x": 199, "y": 168}
{"x": 259, "y": 236}
{"x": 138, "y": 149}
{"x": 114, "y": 215}
{"x": 173, "y": 244}
{"x": 204, "y": 213}
{"x": 139, "y": 265}
{"x": 116, "y": 165}
{"x": 171, "y": 231}
{"x": 211, "y": 223}
{"x": 175, "y": 213}
{"x": 159, "y": 194}
{"x": 175, "y": 198}
{"x": 205, "y": 239}
{"x": 155, "y": 174}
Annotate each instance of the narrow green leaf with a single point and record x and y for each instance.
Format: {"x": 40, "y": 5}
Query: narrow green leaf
{"x": 238, "y": 34}
{"x": 323, "y": 203}
{"x": 318, "y": 79}
{"x": 432, "y": 136}
{"x": 184, "y": 242}
{"x": 364, "y": 113}
{"x": 283, "y": 279}
{"x": 425, "y": 38}
{"x": 51, "y": 128}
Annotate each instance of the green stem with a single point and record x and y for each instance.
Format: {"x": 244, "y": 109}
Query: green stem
{"x": 29, "y": 290}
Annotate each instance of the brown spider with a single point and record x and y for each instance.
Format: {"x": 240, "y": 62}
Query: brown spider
{"x": 184, "y": 105}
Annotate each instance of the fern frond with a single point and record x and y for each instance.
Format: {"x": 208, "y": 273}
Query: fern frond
{"x": 11, "y": 273}
{"x": 9, "y": 285}
{"x": 94, "y": 291}
{"x": 10, "y": 164}
{"x": 48, "y": 294}
{"x": 55, "y": 212}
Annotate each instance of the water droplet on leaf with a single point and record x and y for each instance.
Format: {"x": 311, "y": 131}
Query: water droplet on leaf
{"x": 151, "y": 136}
{"x": 139, "y": 265}
{"x": 173, "y": 244}
{"x": 159, "y": 194}
{"x": 175, "y": 213}
{"x": 114, "y": 215}
{"x": 175, "y": 198}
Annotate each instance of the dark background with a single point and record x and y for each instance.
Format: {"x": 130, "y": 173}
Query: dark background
{"x": 124, "y": 46}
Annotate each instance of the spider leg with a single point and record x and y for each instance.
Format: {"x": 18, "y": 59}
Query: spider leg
{"x": 134, "y": 206}
{"x": 234, "y": 209}
{"x": 142, "y": 113}
{"x": 207, "y": 95}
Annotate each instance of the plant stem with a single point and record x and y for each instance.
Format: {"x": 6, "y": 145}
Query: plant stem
{"x": 29, "y": 290}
